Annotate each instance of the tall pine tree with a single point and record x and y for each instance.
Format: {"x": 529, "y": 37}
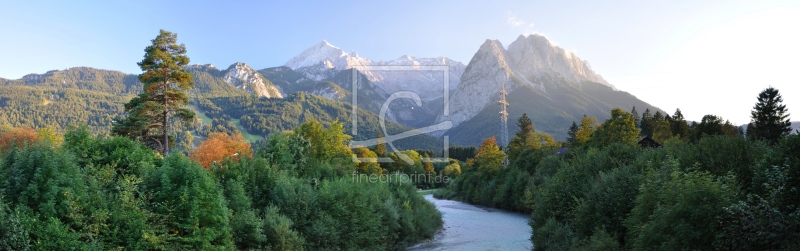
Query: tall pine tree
{"x": 679, "y": 125}
{"x": 647, "y": 123}
{"x": 165, "y": 81}
{"x": 769, "y": 117}
{"x": 573, "y": 129}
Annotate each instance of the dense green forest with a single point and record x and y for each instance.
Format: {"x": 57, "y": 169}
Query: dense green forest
{"x": 47, "y": 107}
{"x": 100, "y": 193}
{"x": 708, "y": 186}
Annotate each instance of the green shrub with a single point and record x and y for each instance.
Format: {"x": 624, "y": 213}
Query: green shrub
{"x": 192, "y": 205}
{"x": 552, "y": 235}
{"x": 45, "y": 181}
{"x": 607, "y": 204}
{"x": 679, "y": 210}
{"x": 279, "y": 232}
{"x": 600, "y": 240}
{"x": 13, "y": 231}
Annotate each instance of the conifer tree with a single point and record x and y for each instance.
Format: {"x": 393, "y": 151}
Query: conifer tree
{"x": 636, "y": 119}
{"x": 165, "y": 82}
{"x": 573, "y": 129}
{"x": 646, "y": 125}
{"x": 679, "y": 125}
{"x": 769, "y": 117}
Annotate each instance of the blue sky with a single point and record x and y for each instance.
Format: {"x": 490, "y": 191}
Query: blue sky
{"x": 700, "y": 56}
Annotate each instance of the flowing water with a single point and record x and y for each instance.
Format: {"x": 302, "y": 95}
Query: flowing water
{"x": 469, "y": 227}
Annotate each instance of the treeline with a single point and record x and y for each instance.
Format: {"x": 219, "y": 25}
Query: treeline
{"x": 662, "y": 127}
{"x": 82, "y": 78}
{"x": 708, "y": 186}
{"x": 297, "y": 192}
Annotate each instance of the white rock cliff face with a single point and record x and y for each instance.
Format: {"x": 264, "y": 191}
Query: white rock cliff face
{"x": 535, "y": 55}
{"x": 244, "y": 77}
{"x": 324, "y": 60}
{"x": 202, "y": 67}
{"x": 329, "y": 92}
{"x": 480, "y": 82}
{"x": 526, "y": 59}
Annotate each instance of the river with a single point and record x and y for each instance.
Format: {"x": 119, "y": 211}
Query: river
{"x": 469, "y": 227}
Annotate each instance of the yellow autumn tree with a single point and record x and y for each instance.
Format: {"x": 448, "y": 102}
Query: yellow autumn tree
{"x": 219, "y": 146}
{"x": 587, "y": 126}
{"x": 489, "y": 157}
{"x": 453, "y": 169}
{"x": 369, "y": 161}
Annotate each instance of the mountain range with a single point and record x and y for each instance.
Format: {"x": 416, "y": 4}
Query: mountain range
{"x": 553, "y": 86}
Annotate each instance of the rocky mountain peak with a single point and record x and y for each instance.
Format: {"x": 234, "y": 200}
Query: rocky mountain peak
{"x": 318, "y": 53}
{"x": 536, "y": 55}
{"x": 202, "y": 67}
{"x": 244, "y": 77}
{"x": 529, "y": 60}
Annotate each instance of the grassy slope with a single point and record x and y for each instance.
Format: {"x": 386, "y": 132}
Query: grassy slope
{"x": 250, "y": 137}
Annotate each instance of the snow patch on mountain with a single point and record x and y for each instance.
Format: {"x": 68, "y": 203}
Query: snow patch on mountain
{"x": 324, "y": 60}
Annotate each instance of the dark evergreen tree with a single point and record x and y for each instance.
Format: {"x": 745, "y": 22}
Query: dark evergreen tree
{"x": 647, "y": 123}
{"x": 573, "y": 129}
{"x": 712, "y": 125}
{"x": 525, "y": 124}
{"x": 769, "y": 117}
{"x": 679, "y": 125}
{"x": 658, "y": 116}
{"x": 750, "y": 132}
{"x": 165, "y": 84}
{"x": 636, "y": 118}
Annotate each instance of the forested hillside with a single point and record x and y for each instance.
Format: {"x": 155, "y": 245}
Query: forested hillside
{"x": 58, "y": 108}
{"x": 262, "y": 116}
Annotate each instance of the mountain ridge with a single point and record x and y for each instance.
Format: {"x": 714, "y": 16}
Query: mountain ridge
{"x": 324, "y": 60}
{"x": 559, "y": 88}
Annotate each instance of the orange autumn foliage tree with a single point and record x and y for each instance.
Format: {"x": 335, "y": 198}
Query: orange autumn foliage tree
{"x": 17, "y": 137}
{"x": 219, "y": 146}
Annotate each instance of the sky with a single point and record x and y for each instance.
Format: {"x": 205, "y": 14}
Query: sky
{"x": 704, "y": 57}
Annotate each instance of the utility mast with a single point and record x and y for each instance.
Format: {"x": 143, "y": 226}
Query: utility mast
{"x": 503, "y": 119}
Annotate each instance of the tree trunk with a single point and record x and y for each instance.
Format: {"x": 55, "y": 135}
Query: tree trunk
{"x": 164, "y": 125}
